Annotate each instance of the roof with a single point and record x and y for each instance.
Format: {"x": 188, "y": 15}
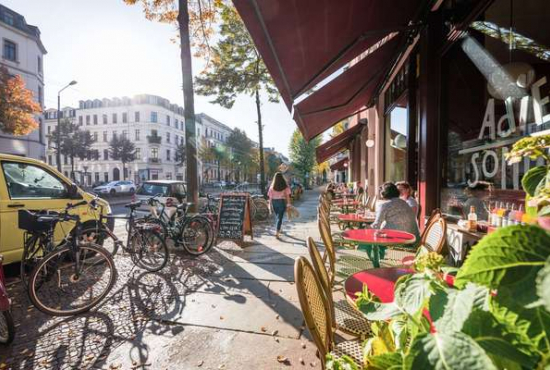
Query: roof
{"x": 337, "y": 143}
{"x": 19, "y": 22}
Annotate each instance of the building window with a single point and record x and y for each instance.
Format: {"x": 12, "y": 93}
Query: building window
{"x": 105, "y": 136}
{"x": 124, "y": 134}
{"x": 168, "y": 154}
{"x": 10, "y": 50}
{"x": 40, "y": 97}
{"x": 114, "y": 118}
{"x": 154, "y": 117}
{"x": 168, "y": 175}
{"x": 106, "y": 176}
{"x": 168, "y": 137}
{"x": 168, "y": 120}
{"x": 106, "y": 155}
{"x": 177, "y": 124}
{"x": 96, "y": 177}
{"x": 8, "y": 18}
{"x": 136, "y": 116}
{"x": 138, "y": 154}
{"x": 105, "y": 121}
{"x": 95, "y": 136}
{"x": 65, "y": 159}
{"x": 124, "y": 117}
{"x": 95, "y": 119}
{"x": 137, "y": 135}
{"x": 87, "y": 120}
{"x": 80, "y": 120}
{"x": 154, "y": 153}
{"x": 114, "y": 134}
{"x": 50, "y": 160}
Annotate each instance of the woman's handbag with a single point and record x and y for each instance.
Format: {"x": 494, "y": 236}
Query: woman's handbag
{"x": 292, "y": 212}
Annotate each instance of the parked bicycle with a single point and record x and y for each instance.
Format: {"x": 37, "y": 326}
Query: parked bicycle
{"x": 74, "y": 276}
{"x": 7, "y": 326}
{"x": 259, "y": 208}
{"x": 144, "y": 242}
{"x": 194, "y": 233}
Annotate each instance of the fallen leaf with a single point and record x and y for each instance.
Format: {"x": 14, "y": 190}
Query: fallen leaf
{"x": 221, "y": 317}
{"x": 302, "y": 361}
{"x": 303, "y": 345}
{"x": 200, "y": 363}
{"x": 274, "y": 332}
{"x": 312, "y": 364}
{"x": 221, "y": 367}
{"x": 277, "y": 317}
{"x": 263, "y": 328}
{"x": 283, "y": 360}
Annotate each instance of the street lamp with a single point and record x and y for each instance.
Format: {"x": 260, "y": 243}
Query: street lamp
{"x": 58, "y": 136}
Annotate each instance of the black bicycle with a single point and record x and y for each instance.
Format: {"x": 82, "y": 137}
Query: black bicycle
{"x": 144, "y": 243}
{"x": 73, "y": 277}
{"x": 194, "y": 233}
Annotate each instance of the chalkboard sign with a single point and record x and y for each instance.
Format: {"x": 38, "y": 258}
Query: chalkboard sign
{"x": 234, "y": 220}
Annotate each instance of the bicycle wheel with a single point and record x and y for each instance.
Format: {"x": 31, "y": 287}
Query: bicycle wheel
{"x": 196, "y": 236}
{"x": 36, "y": 246}
{"x": 7, "y": 328}
{"x": 56, "y": 289}
{"x": 149, "y": 250}
{"x": 262, "y": 210}
{"x": 99, "y": 236}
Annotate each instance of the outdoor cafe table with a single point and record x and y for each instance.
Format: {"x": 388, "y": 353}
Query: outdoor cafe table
{"x": 351, "y": 218}
{"x": 346, "y": 205}
{"x": 368, "y": 240}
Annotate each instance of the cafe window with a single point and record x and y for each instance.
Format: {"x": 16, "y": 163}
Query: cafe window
{"x": 495, "y": 89}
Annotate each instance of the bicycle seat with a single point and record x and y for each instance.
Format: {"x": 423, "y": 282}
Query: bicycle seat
{"x": 133, "y": 205}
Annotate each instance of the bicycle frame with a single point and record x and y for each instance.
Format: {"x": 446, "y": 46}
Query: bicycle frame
{"x": 5, "y": 302}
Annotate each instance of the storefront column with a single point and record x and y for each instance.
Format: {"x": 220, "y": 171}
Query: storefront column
{"x": 429, "y": 93}
{"x": 372, "y": 116}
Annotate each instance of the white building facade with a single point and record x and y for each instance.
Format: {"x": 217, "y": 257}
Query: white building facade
{"x": 23, "y": 54}
{"x": 153, "y": 124}
{"x": 213, "y": 133}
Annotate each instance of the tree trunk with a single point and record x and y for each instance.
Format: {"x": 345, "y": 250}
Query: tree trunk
{"x": 189, "y": 106}
{"x": 72, "y": 168}
{"x": 219, "y": 170}
{"x": 123, "y": 171}
{"x": 261, "y": 142}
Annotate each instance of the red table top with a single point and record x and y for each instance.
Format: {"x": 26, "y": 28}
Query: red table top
{"x": 380, "y": 282}
{"x": 391, "y": 237}
{"x": 345, "y": 202}
{"x": 352, "y": 217}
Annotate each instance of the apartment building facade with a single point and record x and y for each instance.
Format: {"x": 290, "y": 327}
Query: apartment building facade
{"x": 23, "y": 54}
{"x": 213, "y": 134}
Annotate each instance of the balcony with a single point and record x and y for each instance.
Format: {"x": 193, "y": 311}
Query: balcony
{"x": 154, "y": 160}
{"x": 154, "y": 139}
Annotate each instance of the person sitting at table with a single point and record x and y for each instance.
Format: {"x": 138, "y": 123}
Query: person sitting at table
{"x": 330, "y": 190}
{"x": 395, "y": 213}
{"x": 406, "y": 193}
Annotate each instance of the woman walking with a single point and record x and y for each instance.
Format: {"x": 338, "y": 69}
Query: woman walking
{"x": 279, "y": 196}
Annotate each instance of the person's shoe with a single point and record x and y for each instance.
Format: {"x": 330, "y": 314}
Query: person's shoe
{"x": 278, "y": 235}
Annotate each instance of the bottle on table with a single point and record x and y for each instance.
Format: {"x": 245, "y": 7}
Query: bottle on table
{"x": 472, "y": 219}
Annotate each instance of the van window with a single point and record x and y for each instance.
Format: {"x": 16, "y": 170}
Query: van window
{"x": 27, "y": 181}
{"x": 154, "y": 189}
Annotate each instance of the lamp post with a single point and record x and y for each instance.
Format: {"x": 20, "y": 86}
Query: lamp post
{"x": 58, "y": 136}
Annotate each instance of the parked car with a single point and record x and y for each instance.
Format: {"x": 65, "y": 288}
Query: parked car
{"x": 116, "y": 187}
{"x": 164, "y": 188}
{"x": 27, "y": 183}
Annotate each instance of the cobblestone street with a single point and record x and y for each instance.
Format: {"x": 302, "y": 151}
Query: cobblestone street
{"x": 234, "y": 308}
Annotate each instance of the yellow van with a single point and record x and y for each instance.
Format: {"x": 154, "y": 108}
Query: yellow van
{"x": 27, "y": 183}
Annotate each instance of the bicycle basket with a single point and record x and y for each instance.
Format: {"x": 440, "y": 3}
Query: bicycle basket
{"x": 29, "y": 221}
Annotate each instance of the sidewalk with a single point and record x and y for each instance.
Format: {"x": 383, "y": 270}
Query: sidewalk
{"x": 235, "y": 308}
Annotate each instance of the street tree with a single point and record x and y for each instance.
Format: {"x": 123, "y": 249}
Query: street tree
{"x": 272, "y": 164}
{"x": 17, "y": 105}
{"x": 302, "y": 154}
{"x": 180, "y": 154}
{"x": 239, "y": 147}
{"x": 194, "y": 20}
{"x": 237, "y": 68}
{"x": 74, "y": 143}
{"x": 123, "y": 150}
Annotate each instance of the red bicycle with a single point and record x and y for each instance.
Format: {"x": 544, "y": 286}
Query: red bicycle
{"x": 7, "y": 327}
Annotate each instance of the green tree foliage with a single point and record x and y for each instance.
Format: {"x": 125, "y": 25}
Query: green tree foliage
{"x": 217, "y": 154}
{"x": 181, "y": 154}
{"x": 272, "y": 164}
{"x": 302, "y": 154}
{"x": 241, "y": 152}
{"x": 74, "y": 143}
{"x": 237, "y": 68}
{"x": 123, "y": 150}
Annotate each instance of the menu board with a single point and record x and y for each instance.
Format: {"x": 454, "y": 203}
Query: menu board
{"x": 234, "y": 220}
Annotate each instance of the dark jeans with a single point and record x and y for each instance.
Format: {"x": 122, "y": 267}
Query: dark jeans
{"x": 279, "y": 207}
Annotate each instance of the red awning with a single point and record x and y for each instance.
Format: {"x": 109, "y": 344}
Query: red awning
{"x": 304, "y": 41}
{"x": 346, "y": 94}
{"x": 340, "y": 165}
{"x": 337, "y": 143}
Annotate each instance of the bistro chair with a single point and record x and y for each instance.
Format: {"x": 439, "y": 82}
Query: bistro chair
{"x": 345, "y": 264}
{"x": 318, "y": 317}
{"x": 345, "y": 317}
{"x": 371, "y": 204}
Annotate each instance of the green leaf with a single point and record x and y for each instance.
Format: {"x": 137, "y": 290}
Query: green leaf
{"x": 544, "y": 211}
{"x": 387, "y": 361}
{"x": 543, "y": 285}
{"x": 499, "y": 340}
{"x": 447, "y": 352}
{"x": 450, "y": 309}
{"x": 412, "y": 293}
{"x": 379, "y": 311}
{"x": 340, "y": 363}
{"x": 532, "y": 179}
{"x": 398, "y": 327}
{"x": 506, "y": 257}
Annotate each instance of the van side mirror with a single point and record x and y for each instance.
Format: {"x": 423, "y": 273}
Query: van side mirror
{"x": 72, "y": 192}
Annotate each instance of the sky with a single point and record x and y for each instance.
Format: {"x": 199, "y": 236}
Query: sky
{"x": 111, "y": 50}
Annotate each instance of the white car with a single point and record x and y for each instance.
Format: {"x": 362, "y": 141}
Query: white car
{"x": 116, "y": 187}
{"x": 164, "y": 189}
